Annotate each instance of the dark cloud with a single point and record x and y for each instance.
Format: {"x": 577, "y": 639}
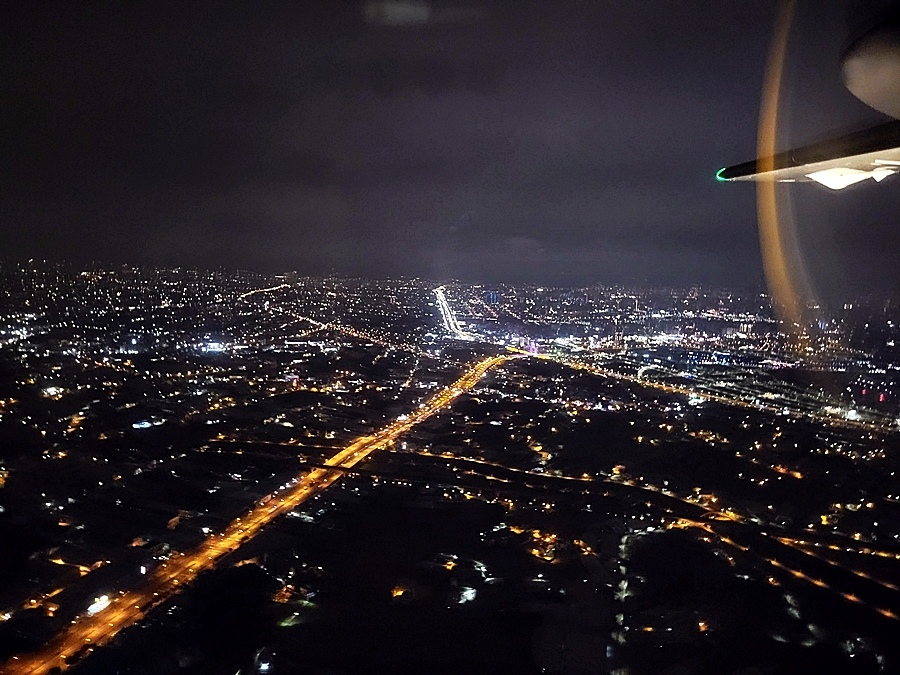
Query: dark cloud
{"x": 529, "y": 140}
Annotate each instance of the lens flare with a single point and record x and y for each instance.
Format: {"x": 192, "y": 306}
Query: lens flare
{"x": 784, "y": 269}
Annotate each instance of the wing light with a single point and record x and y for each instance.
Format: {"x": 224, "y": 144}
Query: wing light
{"x": 841, "y": 177}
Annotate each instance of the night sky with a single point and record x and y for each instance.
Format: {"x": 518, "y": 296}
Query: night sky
{"x": 548, "y": 142}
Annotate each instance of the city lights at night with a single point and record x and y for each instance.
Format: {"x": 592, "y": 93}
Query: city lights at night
{"x": 428, "y": 336}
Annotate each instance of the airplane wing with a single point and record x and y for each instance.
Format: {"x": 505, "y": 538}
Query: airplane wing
{"x": 836, "y": 163}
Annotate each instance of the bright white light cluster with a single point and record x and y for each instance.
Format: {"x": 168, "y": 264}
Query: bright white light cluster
{"x": 841, "y": 177}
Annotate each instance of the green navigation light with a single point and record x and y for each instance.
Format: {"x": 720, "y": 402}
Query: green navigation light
{"x": 719, "y": 174}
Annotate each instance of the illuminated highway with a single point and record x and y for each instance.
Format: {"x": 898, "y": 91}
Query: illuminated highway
{"x": 262, "y": 290}
{"x": 128, "y": 607}
{"x": 729, "y": 400}
{"x": 449, "y": 318}
{"x": 795, "y": 544}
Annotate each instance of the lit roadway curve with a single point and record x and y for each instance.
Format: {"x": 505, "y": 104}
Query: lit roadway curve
{"x": 129, "y": 607}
